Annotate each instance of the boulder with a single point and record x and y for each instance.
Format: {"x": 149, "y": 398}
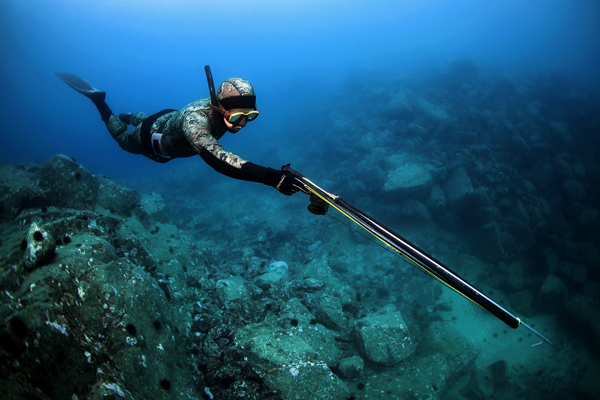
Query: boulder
{"x": 574, "y": 272}
{"x": 383, "y": 337}
{"x": 153, "y": 208}
{"x": 542, "y": 175}
{"x": 288, "y": 365}
{"x": 413, "y": 209}
{"x": 520, "y": 147}
{"x": 19, "y": 190}
{"x": 514, "y": 275}
{"x": 68, "y": 184}
{"x": 459, "y": 190}
{"x": 413, "y": 379}
{"x": 487, "y": 242}
{"x": 115, "y": 198}
{"x": 328, "y": 310}
{"x": 447, "y": 131}
{"x": 436, "y": 203}
{"x": 522, "y": 302}
{"x": 430, "y": 113}
{"x": 553, "y": 294}
{"x": 232, "y": 290}
{"x": 589, "y": 219}
{"x": 573, "y": 190}
{"x": 582, "y": 252}
{"x": 440, "y": 339}
{"x": 403, "y": 103}
{"x": 584, "y": 316}
{"x": 417, "y": 131}
{"x": 408, "y": 181}
{"x": 317, "y": 276}
{"x": 352, "y": 367}
{"x": 299, "y": 321}
{"x": 522, "y": 237}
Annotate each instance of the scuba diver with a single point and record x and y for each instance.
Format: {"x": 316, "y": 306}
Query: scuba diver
{"x": 194, "y": 130}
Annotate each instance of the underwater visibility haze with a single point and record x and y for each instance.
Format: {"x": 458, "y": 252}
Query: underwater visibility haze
{"x": 468, "y": 128}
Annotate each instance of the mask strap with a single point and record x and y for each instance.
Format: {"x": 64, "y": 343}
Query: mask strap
{"x": 221, "y": 110}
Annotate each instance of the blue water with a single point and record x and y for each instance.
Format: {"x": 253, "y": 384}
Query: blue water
{"x": 325, "y": 73}
{"x": 149, "y": 55}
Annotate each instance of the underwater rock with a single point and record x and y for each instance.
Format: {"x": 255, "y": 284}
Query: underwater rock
{"x": 459, "y": 190}
{"x": 417, "y": 131}
{"x": 573, "y": 190}
{"x": 582, "y": 252}
{"x": 520, "y": 147}
{"x": 436, "y": 203}
{"x": 288, "y": 365}
{"x": 589, "y": 219}
{"x": 232, "y": 290}
{"x": 430, "y": 113}
{"x": 153, "y": 208}
{"x": 276, "y": 276}
{"x": 19, "y": 190}
{"x": 447, "y": 131}
{"x": 328, "y": 310}
{"x": 514, "y": 275}
{"x": 576, "y": 273}
{"x": 68, "y": 184}
{"x": 40, "y": 247}
{"x": 403, "y": 103}
{"x": 383, "y": 337}
{"x": 413, "y": 209}
{"x": 334, "y": 287}
{"x": 542, "y": 175}
{"x": 89, "y": 315}
{"x": 298, "y": 320}
{"x": 523, "y": 302}
{"x": 589, "y": 385}
{"x": 522, "y": 238}
{"x": 408, "y": 181}
{"x": 115, "y": 198}
{"x": 441, "y": 339}
{"x": 352, "y": 367}
{"x": 583, "y": 313}
{"x": 204, "y": 322}
{"x": 501, "y": 131}
{"x": 424, "y": 378}
{"x": 553, "y": 294}
{"x": 487, "y": 242}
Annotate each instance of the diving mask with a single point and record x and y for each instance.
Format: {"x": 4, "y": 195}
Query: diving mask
{"x": 236, "y": 115}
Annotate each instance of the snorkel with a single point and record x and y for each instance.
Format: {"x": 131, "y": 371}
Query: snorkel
{"x": 211, "y": 86}
{"x": 214, "y": 103}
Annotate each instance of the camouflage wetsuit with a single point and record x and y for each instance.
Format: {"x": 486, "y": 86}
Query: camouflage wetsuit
{"x": 193, "y": 130}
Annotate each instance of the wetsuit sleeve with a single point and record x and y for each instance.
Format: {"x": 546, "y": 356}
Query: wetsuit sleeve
{"x": 245, "y": 171}
{"x": 197, "y": 129}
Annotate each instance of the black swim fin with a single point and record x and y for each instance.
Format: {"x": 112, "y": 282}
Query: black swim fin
{"x": 82, "y": 86}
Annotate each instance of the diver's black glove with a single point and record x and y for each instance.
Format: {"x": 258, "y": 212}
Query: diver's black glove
{"x": 283, "y": 181}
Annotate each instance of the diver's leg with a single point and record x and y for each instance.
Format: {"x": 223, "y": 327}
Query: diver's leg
{"x": 128, "y": 140}
{"x": 133, "y": 118}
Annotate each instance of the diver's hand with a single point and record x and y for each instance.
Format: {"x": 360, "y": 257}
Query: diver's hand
{"x": 284, "y": 181}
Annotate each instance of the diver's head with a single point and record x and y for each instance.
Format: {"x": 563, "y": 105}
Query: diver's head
{"x": 237, "y": 103}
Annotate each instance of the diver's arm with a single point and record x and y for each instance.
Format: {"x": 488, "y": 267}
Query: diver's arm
{"x": 233, "y": 166}
{"x": 197, "y": 131}
{"x": 227, "y": 163}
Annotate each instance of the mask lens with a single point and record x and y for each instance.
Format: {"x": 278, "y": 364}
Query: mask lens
{"x": 236, "y": 118}
{"x": 252, "y": 116}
